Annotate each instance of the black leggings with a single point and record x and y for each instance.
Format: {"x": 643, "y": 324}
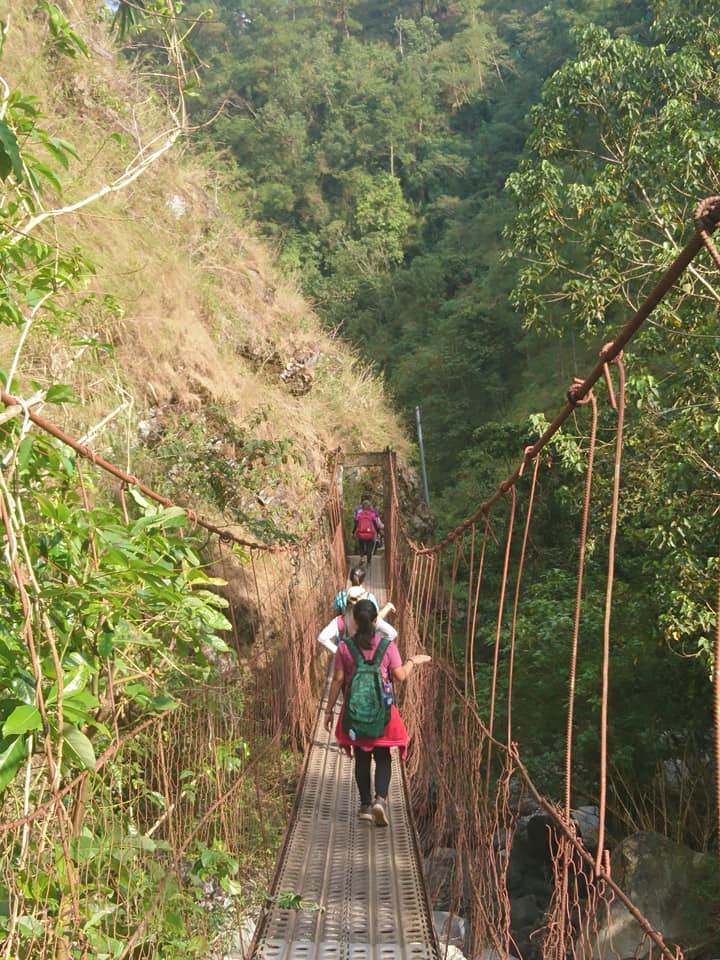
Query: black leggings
{"x": 382, "y": 773}
{"x": 366, "y": 548}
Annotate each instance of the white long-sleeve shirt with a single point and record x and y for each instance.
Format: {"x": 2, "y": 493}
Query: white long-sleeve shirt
{"x": 330, "y": 635}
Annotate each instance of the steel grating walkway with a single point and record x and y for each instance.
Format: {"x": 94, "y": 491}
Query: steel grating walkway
{"x": 363, "y": 891}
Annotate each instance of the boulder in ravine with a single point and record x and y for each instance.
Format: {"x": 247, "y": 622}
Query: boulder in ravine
{"x": 675, "y": 888}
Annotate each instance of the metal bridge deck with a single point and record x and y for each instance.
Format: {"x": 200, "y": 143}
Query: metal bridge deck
{"x": 363, "y": 891}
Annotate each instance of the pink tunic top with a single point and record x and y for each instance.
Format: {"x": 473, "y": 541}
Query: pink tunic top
{"x": 395, "y": 734}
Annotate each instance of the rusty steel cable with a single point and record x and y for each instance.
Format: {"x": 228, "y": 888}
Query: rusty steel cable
{"x": 607, "y": 616}
{"x": 499, "y": 624}
{"x": 516, "y": 599}
{"x": 457, "y": 553}
{"x": 468, "y": 665}
{"x": 582, "y": 545}
{"x": 470, "y": 638}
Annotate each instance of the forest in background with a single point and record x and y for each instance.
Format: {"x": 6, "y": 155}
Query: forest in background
{"x": 373, "y": 142}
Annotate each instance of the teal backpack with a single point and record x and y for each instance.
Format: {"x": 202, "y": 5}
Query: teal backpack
{"x": 366, "y": 712}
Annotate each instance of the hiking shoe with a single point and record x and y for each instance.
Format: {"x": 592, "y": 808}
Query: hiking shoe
{"x": 365, "y": 812}
{"x": 379, "y": 812}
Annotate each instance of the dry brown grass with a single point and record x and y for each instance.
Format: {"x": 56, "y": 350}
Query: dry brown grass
{"x": 203, "y": 316}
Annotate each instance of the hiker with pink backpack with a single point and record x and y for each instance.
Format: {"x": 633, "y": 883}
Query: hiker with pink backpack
{"x": 367, "y": 528}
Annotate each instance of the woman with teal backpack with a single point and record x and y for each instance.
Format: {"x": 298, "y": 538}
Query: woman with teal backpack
{"x": 370, "y": 647}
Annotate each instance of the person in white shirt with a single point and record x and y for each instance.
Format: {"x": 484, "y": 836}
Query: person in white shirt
{"x": 344, "y": 624}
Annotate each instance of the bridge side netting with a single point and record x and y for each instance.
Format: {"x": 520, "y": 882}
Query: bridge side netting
{"x": 170, "y": 838}
{"x": 466, "y": 601}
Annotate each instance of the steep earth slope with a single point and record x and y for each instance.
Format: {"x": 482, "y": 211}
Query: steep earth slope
{"x": 195, "y": 364}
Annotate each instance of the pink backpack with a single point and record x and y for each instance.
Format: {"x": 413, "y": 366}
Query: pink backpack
{"x": 366, "y": 528}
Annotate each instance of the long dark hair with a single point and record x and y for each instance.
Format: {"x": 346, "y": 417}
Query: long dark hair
{"x": 365, "y": 615}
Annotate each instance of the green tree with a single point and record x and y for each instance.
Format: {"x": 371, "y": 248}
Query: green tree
{"x": 623, "y": 147}
{"x": 621, "y": 151}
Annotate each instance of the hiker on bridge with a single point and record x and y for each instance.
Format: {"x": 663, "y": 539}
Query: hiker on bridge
{"x": 357, "y": 579}
{"x": 345, "y": 624}
{"x": 367, "y": 528}
{"x": 369, "y": 729}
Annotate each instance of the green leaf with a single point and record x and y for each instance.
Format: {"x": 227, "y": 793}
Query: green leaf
{"x": 198, "y": 576}
{"x": 138, "y": 693}
{"x": 13, "y": 751}
{"x": 168, "y": 517}
{"x": 288, "y": 901}
{"x": 81, "y": 699}
{"x": 24, "y": 452}
{"x": 78, "y": 675}
{"x": 60, "y": 149}
{"x": 211, "y": 599}
{"x": 10, "y": 161}
{"x": 231, "y": 886}
{"x": 65, "y": 39}
{"x": 217, "y": 644}
{"x": 23, "y": 686}
{"x": 30, "y": 927}
{"x": 139, "y": 499}
{"x": 106, "y": 644}
{"x": 163, "y": 703}
{"x": 60, "y": 393}
{"x": 175, "y": 922}
{"x": 22, "y": 720}
{"x": 77, "y": 714}
{"x": 80, "y": 747}
{"x": 99, "y": 914}
{"x": 199, "y": 945}
{"x": 38, "y": 170}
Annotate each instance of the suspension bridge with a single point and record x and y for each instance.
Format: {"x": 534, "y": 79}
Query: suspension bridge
{"x": 175, "y": 811}
{"x": 365, "y": 886}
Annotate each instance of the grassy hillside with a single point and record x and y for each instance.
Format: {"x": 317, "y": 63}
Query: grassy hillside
{"x": 196, "y": 366}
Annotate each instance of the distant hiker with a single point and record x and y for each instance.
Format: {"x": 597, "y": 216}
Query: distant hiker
{"x": 356, "y": 511}
{"x": 330, "y": 635}
{"x": 357, "y": 579}
{"x": 365, "y": 530}
{"x": 377, "y": 663}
